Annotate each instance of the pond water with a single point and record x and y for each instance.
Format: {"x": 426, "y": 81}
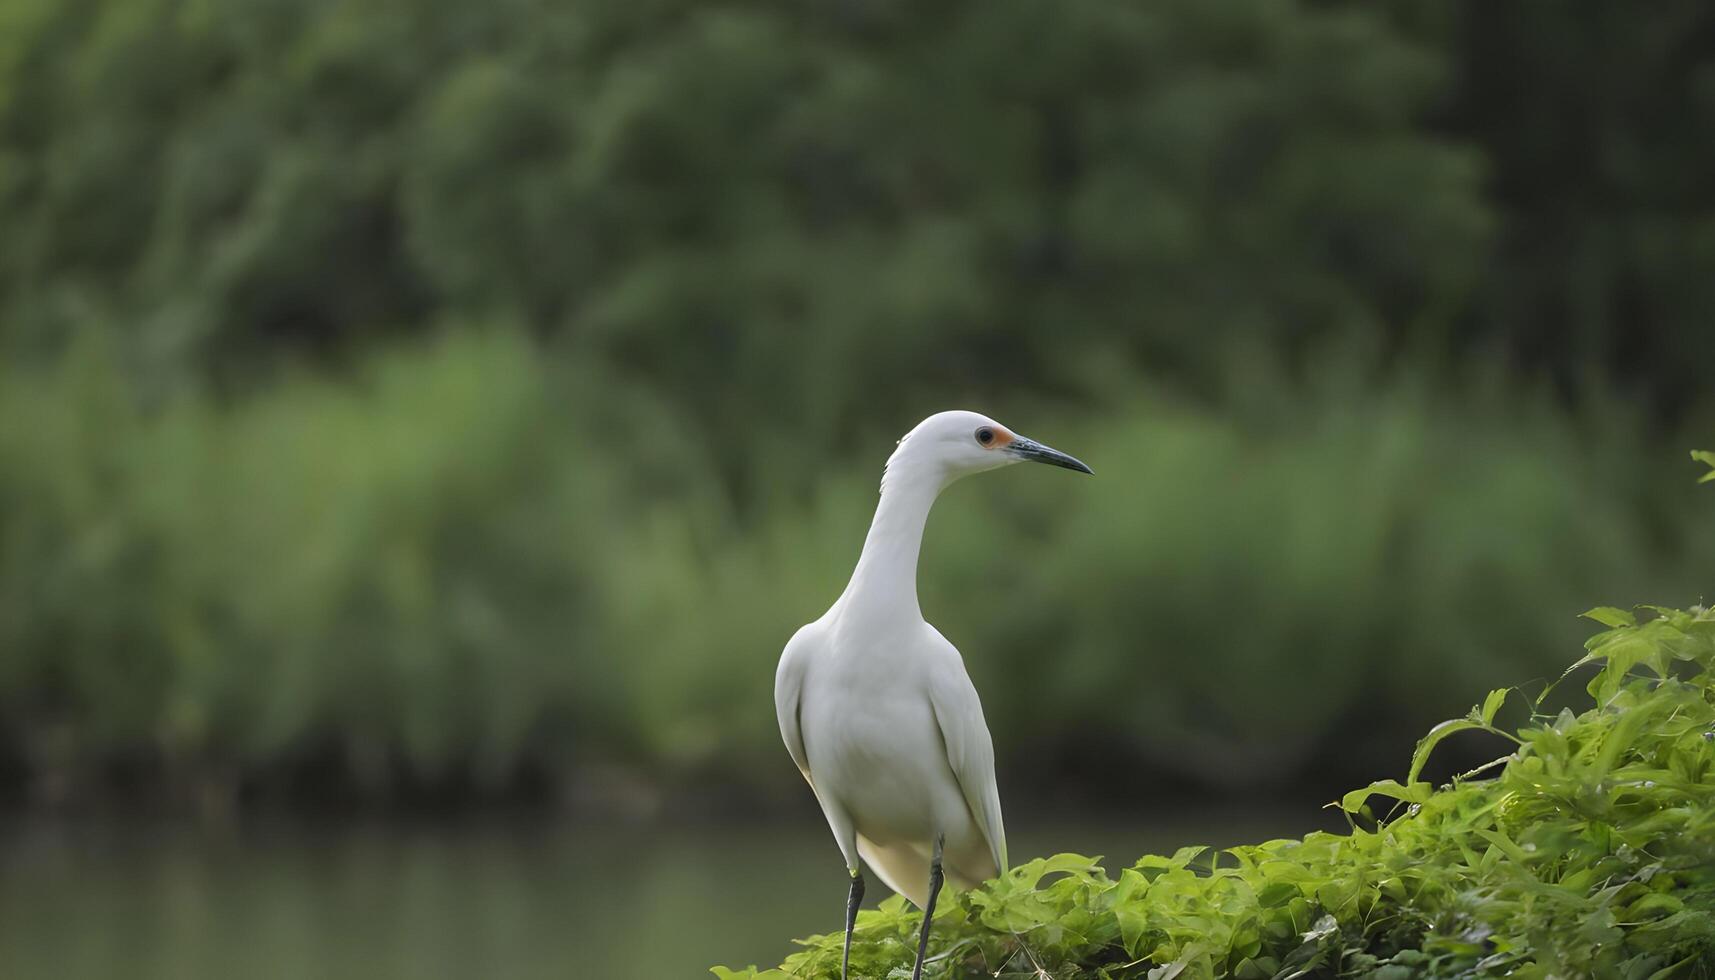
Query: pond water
{"x": 491, "y": 898}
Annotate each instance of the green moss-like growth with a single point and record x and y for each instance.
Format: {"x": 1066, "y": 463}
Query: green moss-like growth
{"x": 1589, "y": 851}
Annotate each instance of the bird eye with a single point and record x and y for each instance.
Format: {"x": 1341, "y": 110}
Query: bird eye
{"x": 985, "y": 436}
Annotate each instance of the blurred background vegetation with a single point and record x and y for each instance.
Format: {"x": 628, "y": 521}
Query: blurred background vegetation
{"x": 412, "y": 404}
{"x": 414, "y": 400}
{"x": 439, "y": 400}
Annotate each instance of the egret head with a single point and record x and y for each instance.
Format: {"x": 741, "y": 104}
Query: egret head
{"x": 948, "y": 445}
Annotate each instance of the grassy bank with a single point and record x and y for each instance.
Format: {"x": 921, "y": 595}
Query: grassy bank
{"x": 1588, "y": 851}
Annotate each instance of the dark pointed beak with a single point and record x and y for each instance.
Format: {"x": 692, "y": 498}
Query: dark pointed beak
{"x": 1036, "y": 452}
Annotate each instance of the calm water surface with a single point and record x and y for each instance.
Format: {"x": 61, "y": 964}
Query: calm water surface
{"x": 514, "y": 898}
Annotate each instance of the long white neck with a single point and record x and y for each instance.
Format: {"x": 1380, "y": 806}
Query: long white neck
{"x": 885, "y": 580}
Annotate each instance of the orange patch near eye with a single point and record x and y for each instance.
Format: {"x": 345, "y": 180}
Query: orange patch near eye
{"x": 1002, "y": 438}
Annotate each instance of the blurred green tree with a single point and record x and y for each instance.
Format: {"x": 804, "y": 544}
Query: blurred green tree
{"x": 444, "y": 389}
{"x": 743, "y": 205}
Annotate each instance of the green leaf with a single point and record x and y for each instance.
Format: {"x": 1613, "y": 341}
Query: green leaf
{"x": 1492, "y": 704}
{"x": 1707, "y": 458}
{"x": 1415, "y": 793}
{"x": 1626, "y": 651}
{"x": 1427, "y": 744}
{"x": 1611, "y": 616}
{"x": 1506, "y": 844}
{"x": 1168, "y": 971}
{"x": 1667, "y": 972}
{"x": 1071, "y": 864}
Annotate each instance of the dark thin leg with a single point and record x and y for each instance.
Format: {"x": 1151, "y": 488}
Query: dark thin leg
{"x": 928, "y": 910}
{"x": 852, "y": 901}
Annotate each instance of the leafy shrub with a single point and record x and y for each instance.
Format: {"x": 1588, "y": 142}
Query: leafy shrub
{"x": 1590, "y": 854}
{"x": 393, "y": 572}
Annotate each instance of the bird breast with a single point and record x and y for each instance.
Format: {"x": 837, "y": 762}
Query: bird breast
{"x": 873, "y": 742}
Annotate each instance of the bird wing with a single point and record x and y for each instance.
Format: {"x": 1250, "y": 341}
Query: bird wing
{"x": 788, "y": 692}
{"x": 970, "y": 751}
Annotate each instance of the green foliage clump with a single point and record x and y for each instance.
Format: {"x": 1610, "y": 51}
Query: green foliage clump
{"x": 328, "y": 573}
{"x": 1590, "y": 853}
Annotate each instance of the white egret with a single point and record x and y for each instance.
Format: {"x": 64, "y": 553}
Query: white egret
{"x": 875, "y": 706}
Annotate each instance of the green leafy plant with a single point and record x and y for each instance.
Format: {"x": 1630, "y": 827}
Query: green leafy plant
{"x": 1587, "y": 851}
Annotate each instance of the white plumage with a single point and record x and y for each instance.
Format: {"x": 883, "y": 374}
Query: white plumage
{"x": 890, "y": 734}
{"x": 874, "y": 704}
